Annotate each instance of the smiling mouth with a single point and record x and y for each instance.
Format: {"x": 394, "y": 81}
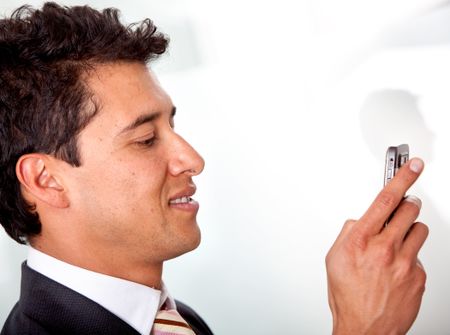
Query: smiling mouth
{"x": 184, "y": 203}
{"x": 182, "y": 200}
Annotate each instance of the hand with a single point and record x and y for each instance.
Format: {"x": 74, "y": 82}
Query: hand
{"x": 375, "y": 280}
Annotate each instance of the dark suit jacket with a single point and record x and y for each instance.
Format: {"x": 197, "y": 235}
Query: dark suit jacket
{"x": 46, "y": 307}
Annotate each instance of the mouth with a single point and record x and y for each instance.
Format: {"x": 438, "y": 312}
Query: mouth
{"x": 183, "y": 200}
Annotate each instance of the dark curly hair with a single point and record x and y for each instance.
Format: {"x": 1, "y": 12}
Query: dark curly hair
{"x": 44, "y": 102}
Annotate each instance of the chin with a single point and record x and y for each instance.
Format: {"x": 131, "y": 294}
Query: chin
{"x": 187, "y": 245}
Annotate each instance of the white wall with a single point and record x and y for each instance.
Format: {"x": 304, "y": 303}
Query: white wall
{"x": 272, "y": 93}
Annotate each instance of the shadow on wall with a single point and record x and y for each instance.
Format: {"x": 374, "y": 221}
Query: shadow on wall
{"x": 392, "y": 117}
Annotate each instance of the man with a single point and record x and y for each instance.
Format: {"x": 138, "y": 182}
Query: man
{"x": 93, "y": 177}
{"x": 96, "y": 181}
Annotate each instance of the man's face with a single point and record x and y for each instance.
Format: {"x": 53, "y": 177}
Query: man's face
{"x": 132, "y": 191}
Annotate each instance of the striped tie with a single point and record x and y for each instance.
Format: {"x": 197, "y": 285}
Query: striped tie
{"x": 169, "y": 322}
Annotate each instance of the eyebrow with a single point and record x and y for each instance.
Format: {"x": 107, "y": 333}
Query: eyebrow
{"x": 146, "y": 118}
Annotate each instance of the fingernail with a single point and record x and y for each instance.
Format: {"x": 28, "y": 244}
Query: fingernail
{"x": 416, "y": 165}
{"x": 415, "y": 200}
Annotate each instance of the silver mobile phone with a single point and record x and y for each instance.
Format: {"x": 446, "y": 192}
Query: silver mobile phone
{"x": 396, "y": 156}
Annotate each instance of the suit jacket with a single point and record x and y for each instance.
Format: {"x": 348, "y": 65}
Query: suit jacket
{"x": 46, "y": 307}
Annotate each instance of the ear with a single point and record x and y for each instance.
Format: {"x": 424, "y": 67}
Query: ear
{"x": 35, "y": 174}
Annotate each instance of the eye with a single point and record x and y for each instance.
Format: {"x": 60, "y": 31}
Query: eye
{"x": 147, "y": 142}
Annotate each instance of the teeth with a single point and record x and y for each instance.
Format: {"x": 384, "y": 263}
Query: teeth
{"x": 182, "y": 200}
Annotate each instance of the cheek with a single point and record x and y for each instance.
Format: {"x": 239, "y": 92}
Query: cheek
{"x": 147, "y": 185}
{"x": 133, "y": 187}
{"x": 115, "y": 187}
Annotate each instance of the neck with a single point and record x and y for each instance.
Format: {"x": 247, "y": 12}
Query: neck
{"x": 108, "y": 262}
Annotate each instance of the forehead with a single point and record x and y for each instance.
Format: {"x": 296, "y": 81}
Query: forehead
{"x": 125, "y": 91}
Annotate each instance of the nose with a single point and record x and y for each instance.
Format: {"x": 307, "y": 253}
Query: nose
{"x": 184, "y": 158}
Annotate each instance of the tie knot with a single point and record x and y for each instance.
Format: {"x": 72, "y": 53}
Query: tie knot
{"x": 170, "y": 322}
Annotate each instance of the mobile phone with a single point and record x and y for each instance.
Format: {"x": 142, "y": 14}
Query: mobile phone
{"x": 396, "y": 156}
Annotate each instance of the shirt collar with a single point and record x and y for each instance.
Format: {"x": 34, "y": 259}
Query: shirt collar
{"x": 134, "y": 303}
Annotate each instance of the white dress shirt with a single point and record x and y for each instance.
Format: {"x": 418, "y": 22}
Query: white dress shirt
{"x": 134, "y": 303}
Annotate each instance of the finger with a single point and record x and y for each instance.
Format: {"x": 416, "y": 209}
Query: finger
{"x": 388, "y": 199}
{"x": 403, "y": 219}
{"x": 415, "y": 239}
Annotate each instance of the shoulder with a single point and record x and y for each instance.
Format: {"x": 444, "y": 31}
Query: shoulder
{"x": 47, "y": 307}
{"x": 19, "y": 323}
{"x": 198, "y": 325}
